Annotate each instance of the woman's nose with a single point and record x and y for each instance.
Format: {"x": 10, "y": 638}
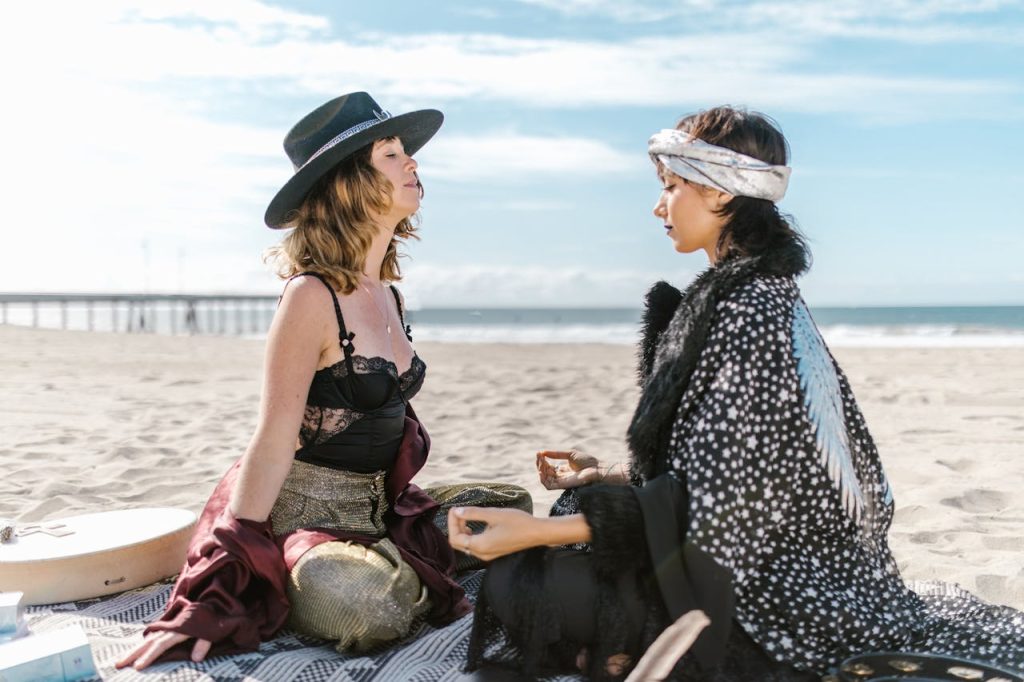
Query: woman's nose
{"x": 412, "y": 165}
{"x": 659, "y": 209}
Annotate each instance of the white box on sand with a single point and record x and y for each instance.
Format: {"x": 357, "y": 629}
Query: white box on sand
{"x": 11, "y": 610}
{"x": 58, "y": 656}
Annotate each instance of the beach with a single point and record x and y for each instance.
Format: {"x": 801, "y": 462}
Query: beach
{"x": 98, "y": 421}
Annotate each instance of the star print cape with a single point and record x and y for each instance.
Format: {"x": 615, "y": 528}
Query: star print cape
{"x": 745, "y": 407}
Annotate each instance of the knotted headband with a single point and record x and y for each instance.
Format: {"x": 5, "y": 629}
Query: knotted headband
{"x": 717, "y": 167}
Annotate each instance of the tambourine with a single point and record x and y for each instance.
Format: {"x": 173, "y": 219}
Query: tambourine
{"x": 886, "y": 667}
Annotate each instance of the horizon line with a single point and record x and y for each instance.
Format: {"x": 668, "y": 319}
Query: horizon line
{"x": 28, "y": 298}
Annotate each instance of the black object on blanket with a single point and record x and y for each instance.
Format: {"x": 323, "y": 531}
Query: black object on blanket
{"x": 885, "y": 666}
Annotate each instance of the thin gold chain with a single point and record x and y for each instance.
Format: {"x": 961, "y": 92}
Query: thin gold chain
{"x": 381, "y": 312}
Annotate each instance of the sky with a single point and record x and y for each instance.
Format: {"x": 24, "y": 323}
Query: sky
{"x": 143, "y": 139}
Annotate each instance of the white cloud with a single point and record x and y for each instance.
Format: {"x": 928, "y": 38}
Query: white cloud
{"x": 257, "y": 19}
{"x": 517, "y": 157}
{"x": 837, "y": 13}
{"x": 249, "y": 42}
{"x": 910, "y": 21}
{"x": 436, "y": 286}
{"x": 628, "y": 12}
{"x": 917, "y": 21}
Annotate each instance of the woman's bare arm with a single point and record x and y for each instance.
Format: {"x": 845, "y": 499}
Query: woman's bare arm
{"x": 511, "y": 530}
{"x": 297, "y": 338}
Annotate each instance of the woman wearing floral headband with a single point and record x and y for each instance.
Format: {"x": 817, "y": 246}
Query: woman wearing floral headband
{"x": 753, "y": 518}
{"x": 318, "y": 524}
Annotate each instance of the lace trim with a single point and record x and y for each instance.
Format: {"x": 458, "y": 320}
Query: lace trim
{"x": 410, "y": 376}
{"x": 320, "y": 424}
{"x": 368, "y": 365}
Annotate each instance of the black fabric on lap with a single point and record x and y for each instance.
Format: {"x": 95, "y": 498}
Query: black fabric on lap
{"x": 616, "y": 525}
{"x": 538, "y": 609}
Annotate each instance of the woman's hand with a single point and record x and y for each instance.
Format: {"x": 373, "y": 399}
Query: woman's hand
{"x": 511, "y": 530}
{"x": 578, "y": 469}
{"x": 155, "y": 644}
{"x": 508, "y": 531}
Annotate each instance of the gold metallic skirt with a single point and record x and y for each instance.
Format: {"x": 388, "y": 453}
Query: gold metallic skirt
{"x": 362, "y": 596}
{"x": 319, "y": 497}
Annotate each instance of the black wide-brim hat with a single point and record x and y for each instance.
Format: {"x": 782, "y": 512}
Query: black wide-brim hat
{"x": 331, "y": 133}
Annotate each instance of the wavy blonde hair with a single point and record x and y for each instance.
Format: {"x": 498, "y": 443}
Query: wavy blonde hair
{"x": 334, "y": 227}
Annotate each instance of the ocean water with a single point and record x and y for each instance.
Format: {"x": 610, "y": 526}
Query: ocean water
{"x": 932, "y": 326}
{"x": 938, "y": 326}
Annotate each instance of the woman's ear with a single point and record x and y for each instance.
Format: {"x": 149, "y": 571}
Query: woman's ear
{"x": 715, "y": 200}
{"x": 721, "y": 199}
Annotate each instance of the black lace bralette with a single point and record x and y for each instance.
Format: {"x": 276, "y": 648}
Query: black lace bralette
{"x": 357, "y": 386}
{"x": 373, "y": 381}
{"x": 339, "y": 398}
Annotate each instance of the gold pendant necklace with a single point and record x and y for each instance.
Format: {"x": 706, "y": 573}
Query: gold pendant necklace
{"x": 382, "y": 313}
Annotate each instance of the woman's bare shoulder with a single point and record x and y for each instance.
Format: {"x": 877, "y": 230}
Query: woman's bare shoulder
{"x": 307, "y": 299}
{"x": 305, "y": 291}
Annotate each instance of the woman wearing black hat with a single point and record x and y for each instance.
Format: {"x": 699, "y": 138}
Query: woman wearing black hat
{"x": 318, "y": 525}
{"x": 758, "y": 496}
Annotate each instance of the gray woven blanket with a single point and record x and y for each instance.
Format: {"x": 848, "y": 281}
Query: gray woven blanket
{"x": 114, "y": 626}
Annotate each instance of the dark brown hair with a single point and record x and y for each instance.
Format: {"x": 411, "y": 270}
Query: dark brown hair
{"x": 752, "y": 226}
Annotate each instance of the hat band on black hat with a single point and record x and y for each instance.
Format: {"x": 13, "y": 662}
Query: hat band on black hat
{"x": 381, "y": 116}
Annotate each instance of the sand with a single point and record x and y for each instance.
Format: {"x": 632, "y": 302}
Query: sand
{"x": 94, "y": 421}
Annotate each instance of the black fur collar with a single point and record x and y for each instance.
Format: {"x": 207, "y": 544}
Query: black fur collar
{"x": 675, "y": 327}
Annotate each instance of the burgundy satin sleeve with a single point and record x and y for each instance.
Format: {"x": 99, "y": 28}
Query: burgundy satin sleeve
{"x": 232, "y": 588}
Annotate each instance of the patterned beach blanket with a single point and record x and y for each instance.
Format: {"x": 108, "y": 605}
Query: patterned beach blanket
{"x": 114, "y": 625}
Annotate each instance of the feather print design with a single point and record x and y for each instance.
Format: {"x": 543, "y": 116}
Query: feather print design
{"x": 823, "y": 401}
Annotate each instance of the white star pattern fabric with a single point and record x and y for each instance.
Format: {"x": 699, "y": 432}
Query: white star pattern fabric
{"x": 814, "y": 584}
